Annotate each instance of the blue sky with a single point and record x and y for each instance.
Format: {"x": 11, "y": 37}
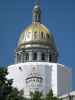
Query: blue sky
{"x": 57, "y": 15}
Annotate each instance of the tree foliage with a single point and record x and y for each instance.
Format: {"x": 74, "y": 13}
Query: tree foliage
{"x": 36, "y": 95}
{"x": 50, "y": 96}
{"x": 7, "y": 92}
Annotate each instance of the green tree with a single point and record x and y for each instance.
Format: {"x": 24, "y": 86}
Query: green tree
{"x": 50, "y": 96}
{"x": 5, "y": 85}
{"x": 7, "y": 92}
{"x": 36, "y": 95}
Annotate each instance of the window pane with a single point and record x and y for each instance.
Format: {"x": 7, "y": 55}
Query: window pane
{"x": 42, "y": 35}
{"x": 43, "y": 56}
{"x": 27, "y": 56}
{"x": 49, "y": 57}
{"x": 34, "y": 56}
{"x": 18, "y": 58}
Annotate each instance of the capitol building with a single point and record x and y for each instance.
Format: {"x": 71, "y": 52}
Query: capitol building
{"x": 36, "y": 66}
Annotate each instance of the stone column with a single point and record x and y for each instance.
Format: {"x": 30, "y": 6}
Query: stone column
{"x": 30, "y": 56}
{"x": 38, "y": 56}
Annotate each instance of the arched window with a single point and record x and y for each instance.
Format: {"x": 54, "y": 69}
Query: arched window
{"x": 50, "y": 58}
{"x": 35, "y": 56}
{"x": 42, "y": 56}
{"x": 23, "y": 56}
{"x": 35, "y": 35}
{"x": 18, "y": 57}
{"x": 27, "y": 56}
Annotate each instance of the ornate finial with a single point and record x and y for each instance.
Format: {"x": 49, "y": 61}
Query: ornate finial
{"x": 37, "y": 2}
{"x": 37, "y": 12}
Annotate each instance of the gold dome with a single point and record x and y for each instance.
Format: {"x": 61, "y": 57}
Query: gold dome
{"x": 36, "y": 40}
{"x": 36, "y": 33}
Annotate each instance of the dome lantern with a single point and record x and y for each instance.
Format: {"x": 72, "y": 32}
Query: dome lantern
{"x": 36, "y": 12}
